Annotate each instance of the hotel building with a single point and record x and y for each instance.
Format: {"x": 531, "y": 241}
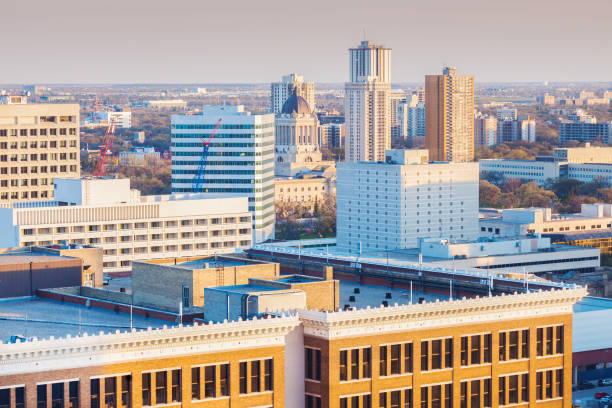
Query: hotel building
{"x": 106, "y": 213}
{"x": 392, "y": 205}
{"x": 38, "y": 143}
{"x": 367, "y": 104}
{"x": 449, "y": 116}
{"x": 240, "y": 159}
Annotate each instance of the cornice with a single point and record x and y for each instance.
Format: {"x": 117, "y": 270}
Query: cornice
{"x": 101, "y": 349}
{"x": 381, "y": 320}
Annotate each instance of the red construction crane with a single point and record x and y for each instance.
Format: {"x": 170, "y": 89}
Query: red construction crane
{"x": 106, "y": 146}
{"x": 198, "y": 180}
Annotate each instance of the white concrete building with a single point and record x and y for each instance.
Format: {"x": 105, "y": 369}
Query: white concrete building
{"x": 528, "y": 170}
{"x": 392, "y": 205}
{"x": 139, "y": 156}
{"x": 518, "y": 256}
{"x": 411, "y": 117}
{"x": 581, "y": 163}
{"x": 122, "y": 119}
{"x": 240, "y": 159}
{"x": 281, "y": 91}
{"x": 107, "y": 213}
{"x": 520, "y": 221}
{"x": 367, "y": 103}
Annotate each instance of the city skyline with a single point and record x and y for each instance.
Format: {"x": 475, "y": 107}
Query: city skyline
{"x": 154, "y": 43}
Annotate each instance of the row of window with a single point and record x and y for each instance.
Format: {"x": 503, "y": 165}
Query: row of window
{"x": 513, "y": 389}
{"x": 37, "y": 169}
{"x": 43, "y": 144}
{"x": 38, "y": 132}
{"x": 222, "y": 126}
{"x": 36, "y": 157}
{"x": 396, "y": 359}
{"x": 16, "y": 195}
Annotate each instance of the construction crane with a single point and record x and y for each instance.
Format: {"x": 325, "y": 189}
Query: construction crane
{"x": 106, "y": 146}
{"x": 198, "y": 180}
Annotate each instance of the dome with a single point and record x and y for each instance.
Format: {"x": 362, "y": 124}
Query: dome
{"x": 296, "y": 104}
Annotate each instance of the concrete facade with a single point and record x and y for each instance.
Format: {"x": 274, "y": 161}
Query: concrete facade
{"x": 392, "y": 205}
{"x": 38, "y": 143}
{"x": 106, "y": 213}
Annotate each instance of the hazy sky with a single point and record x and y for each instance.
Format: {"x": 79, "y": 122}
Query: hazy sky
{"x": 222, "y": 41}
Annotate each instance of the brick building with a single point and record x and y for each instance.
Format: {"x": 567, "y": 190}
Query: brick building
{"x": 482, "y": 352}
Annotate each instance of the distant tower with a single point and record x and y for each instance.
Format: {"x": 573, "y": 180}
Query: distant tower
{"x": 367, "y": 103}
{"x": 449, "y": 116}
{"x": 281, "y": 91}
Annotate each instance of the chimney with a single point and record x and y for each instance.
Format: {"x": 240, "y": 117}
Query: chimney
{"x": 329, "y": 273}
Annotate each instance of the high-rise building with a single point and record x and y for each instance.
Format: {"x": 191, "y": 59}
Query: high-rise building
{"x": 367, "y": 103}
{"x": 38, "y": 142}
{"x": 411, "y": 117}
{"x": 395, "y": 204}
{"x": 290, "y": 84}
{"x": 449, "y": 116}
{"x": 513, "y": 130}
{"x": 240, "y": 159}
{"x": 505, "y": 113}
{"x": 485, "y": 130}
{"x": 331, "y": 135}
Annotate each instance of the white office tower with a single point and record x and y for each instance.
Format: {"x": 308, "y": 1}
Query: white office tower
{"x": 240, "y": 159}
{"x": 393, "y": 205}
{"x": 367, "y": 103}
{"x": 105, "y": 212}
{"x": 290, "y": 84}
{"x": 505, "y": 113}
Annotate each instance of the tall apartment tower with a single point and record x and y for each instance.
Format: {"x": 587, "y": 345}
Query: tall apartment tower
{"x": 290, "y": 84}
{"x": 449, "y": 116}
{"x": 240, "y": 159}
{"x": 38, "y": 143}
{"x": 368, "y": 103}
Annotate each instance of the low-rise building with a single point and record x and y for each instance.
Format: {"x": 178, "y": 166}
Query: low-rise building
{"x": 166, "y": 103}
{"x": 25, "y": 270}
{"x": 514, "y": 222}
{"x": 139, "y": 156}
{"x": 305, "y": 190}
{"x": 121, "y": 119}
{"x": 166, "y": 283}
{"x": 107, "y": 213}
{"x": 582, "y": 163}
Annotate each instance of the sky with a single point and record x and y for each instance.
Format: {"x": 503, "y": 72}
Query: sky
{"x": 257, "y": 41}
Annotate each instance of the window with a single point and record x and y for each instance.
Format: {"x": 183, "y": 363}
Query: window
{"x": 126, "y": 391}
{"x": 513, "y": 345}
{"x": 549, "y": 340}
{"x": 161, "y": 387}
{"x": 313, "y": 363}
{"x": 176, "y": 385}
{"x": 514, "y": 389}
{"x": 110, "y": 392}
{"x": 195, "y": 383}
{"x": 356, "y": 401}
{"x": 313, "y": 401}
{"x": 57, "y": 395}
{"x": 224, "y": 380}
{"x": 268, "y": 375}
{"x": 436, "y": 354}
{"x": 146, "y": 389}
{"x": 343, "y": 363}
{"x": 94, "y": 390}
{"x": 255, "y": 375}
{"x": 243, "y": 377}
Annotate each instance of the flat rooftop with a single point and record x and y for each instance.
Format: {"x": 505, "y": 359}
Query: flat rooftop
{"x": 246, "y": 289}
{"x": 373, "y": 296}
{"x": 592, "y": 304}
{"x": 43, "y": 318}
{"x": 27, "y": 257}
{"x": 213, "y": 263}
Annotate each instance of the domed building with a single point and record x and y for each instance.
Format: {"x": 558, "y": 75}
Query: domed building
{"x": 297, "y": 138}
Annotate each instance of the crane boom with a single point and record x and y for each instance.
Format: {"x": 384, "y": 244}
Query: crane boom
{"x": 106, "y": 146}
{"x": 198, "y": 180}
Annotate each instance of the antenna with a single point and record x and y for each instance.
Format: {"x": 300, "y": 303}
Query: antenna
{"x": 364, "y": 34}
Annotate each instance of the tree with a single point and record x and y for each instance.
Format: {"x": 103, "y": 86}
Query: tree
{"x": 490, "y": 194}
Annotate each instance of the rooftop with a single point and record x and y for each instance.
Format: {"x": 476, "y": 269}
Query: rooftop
{"x": 43, "y": 318}
{"x": 27, "y": 257}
